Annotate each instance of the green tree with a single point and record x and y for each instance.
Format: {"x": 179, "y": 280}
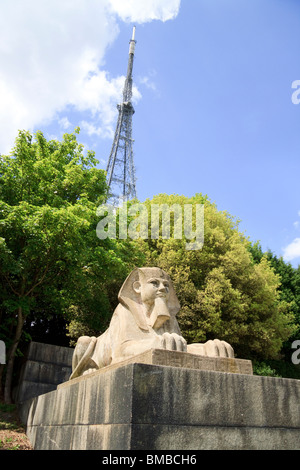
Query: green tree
{"x": 50, "y": 256}
{"x": 289, "y": 291}
{"x": 289, "y": 288}
{"x": 222, "y": 292}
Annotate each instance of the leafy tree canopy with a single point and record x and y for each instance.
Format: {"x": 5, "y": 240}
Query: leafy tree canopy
{"x": 50, "y": 256}
{"x": 55, "y": 272}
{"x": 289, "y": 289}
{"x": 223, "y": 292}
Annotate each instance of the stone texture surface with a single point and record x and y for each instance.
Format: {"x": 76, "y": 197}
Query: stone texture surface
{"x": 152, "y": 407}
{"x": 194, "y": 361}
{"x": 46, "y": 366}
{"x": 163, "y": 357}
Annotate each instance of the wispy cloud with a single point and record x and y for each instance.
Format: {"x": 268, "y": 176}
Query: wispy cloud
{"x": 296, "y": 224}
{"x": 64, "y": 123}
{"x": 148, "y": 83}
{"x": 92, "y": 129}
{"x": 141, "y": 11}
{"x": 52, "y": 58}
{"x": 292, "y": 251}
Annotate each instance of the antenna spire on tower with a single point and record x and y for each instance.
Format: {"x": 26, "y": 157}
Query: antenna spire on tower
{"x": 120, "y": 168}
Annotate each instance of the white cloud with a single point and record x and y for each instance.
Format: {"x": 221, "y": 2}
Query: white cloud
{"x": 64, "y": 123}
{"x": 92, "y": 129}
{"x": 148, "y": 82}
{"x": 292, "y": 251}
{"x": 141, "y": 11}
{"x": 296, "y": 224}
{"x": 52, "y": 59}
{"x": 47, "y": 50}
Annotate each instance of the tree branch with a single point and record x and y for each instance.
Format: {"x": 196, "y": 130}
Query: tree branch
{"x": 39, "y": 282}
{"x": 8, "y": 282}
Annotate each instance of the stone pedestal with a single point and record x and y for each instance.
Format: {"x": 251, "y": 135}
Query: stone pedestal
{"x": 163, "y": 357}
{"x": 139, "y": 406}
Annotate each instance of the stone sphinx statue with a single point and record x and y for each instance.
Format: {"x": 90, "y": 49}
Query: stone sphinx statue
{"x": 144, "y": 319}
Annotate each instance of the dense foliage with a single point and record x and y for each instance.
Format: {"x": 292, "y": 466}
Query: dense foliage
{"x": 223, "y": 291}
{"x": 289, "y": 291}
{"x": 51, "y": 262}
{"x": 58, "y": 280}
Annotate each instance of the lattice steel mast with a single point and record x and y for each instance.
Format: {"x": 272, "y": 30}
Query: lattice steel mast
{"x": 120, "y": 168}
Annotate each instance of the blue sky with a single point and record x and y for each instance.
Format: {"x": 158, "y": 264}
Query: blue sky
{"x": 213, "y": 96}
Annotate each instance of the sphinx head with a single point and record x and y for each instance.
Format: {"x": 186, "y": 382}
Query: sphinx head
{"x": 149, "y": 292}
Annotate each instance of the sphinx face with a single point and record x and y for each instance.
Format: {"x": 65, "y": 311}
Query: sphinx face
{"x": 151, "y": 289}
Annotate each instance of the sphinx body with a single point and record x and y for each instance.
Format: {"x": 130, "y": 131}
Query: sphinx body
{"x": 144, "y": 319}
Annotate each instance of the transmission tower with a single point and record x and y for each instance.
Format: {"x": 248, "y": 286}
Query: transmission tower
{"x": 120, "y": 167}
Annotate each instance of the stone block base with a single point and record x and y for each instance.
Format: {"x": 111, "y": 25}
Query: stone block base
{"x": 153, "y": 407}
{"x": 163, "y": 357}
{"x": 45, "y": 367}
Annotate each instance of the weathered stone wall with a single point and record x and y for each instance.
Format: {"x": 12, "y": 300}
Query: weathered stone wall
{"x": 46, "y": 366}
{"x": 151, "y": 407}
